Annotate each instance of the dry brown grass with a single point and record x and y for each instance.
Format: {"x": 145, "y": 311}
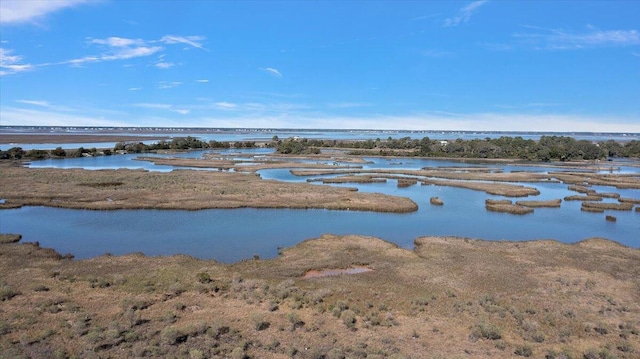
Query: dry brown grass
{"x": 190, "y": 162}
{"x": 612, "y": 206}
{"x": 508, "y": 208}
{"x": 450, "y": 297}
{"x": 406, "y": 182}
{"x": 629, "y": 200}
{"x": 436, "y": 201}
{"x": 349, "y": 179}
{"x": 224, "y": 163}
{"x": 590, "y": 179}
{"x": 498, "y": 189}
{"x": 184, "y": 189}
{"x": 591, "y": 197}
{"x": 553, "y": 203}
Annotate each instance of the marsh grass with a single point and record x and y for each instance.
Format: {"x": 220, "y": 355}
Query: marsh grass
{"x": 624, "y": 206}
{"x": 10, "y": 238}
{"x": 185, "y": 189}
{"x": 554, "y": 203}
{"x": 505, "y": 206}
{"x": 583, "y": 198}
{"x": 450, "y": 295}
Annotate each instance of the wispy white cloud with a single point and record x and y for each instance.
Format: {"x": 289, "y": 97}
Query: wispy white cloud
{"x": 162, "y": 106}
{"x": 12, "y": 64}
{"x": 202, "y": 81}
{"x": 225, "y": 105}
{"x": 436, "y": 53}
{"x": 272, "y": 71}
{"x": 344, "y": 105}
{"x": 156, "y": 106}
{"x": 21, "y": 11}
{"x": 164, "y": 65}
{"x": 559, "y": 39}
{"x": 115, "y": 41}
{"x": 13, "y": 116}
{"x": 35, "y": 103}
{"x": 194, "y": 41}
{"x": 164, "y": 85}
{"x": 114, "y": 49}
{"x": 135, "y": 89}
{"x": 464, "y": 14}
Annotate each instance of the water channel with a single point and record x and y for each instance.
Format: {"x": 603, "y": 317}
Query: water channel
{"x": 232, "y": 235}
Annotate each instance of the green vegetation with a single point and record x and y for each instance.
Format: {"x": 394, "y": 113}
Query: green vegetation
{"x": 294, "y": 146}
{"x": 548, "y": 148}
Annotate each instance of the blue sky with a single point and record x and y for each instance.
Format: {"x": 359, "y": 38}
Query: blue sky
{"x": 424, "y": 65}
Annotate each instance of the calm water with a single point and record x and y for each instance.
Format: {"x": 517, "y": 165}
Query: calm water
{"x": 231, "y": 235}
{"x": 266, "y": 135}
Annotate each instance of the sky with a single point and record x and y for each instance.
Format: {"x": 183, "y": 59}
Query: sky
{"x": 483, "y": 65}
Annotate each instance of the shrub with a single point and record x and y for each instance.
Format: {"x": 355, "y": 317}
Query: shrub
{"x": 485, "y": 331}
{"x": 523, "y": 351}
{"x": 349, "y": 318}
{"x": 203, "y": 277}
{"x": 7, "y": 292}
{"x": 259, "y": 323}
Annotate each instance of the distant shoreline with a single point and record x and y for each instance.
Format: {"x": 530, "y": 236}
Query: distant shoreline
{"x": 57, "y": 130}
{"x": 73, "y": 138}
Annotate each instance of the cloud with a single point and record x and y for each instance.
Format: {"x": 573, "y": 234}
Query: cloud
{"x": 343, "y": 105}
{"x": 188, "y": 40}
{"x": 164, "y": 85}
{"x": 115, "y": 48}
{"x": 164, "y": 65}
{"x": 436, "y": 53}
{"x": 272, "y": 71}
{"x": 225, "y": 105}
{"x": 12, "y": 64}
{"x": 162, "y": 106}
{"x": 135, "y": 89}
{"x": 157, "y": 106}
{"x": 21, "y": 11}
{"x": 117, "y": 42}
{"x": 558, "y": 39}
{"x": 203, "y": 81}
{"x": 12, "y": 116}
{"x": 464, "y": 14}
{"x": 35, "y": 103}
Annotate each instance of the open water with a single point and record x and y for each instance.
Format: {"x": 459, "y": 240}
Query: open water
{"x": 232, "y": 235}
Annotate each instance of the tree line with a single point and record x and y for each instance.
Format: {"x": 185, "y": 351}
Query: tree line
{"x": 179, "y": 143}
{"x": 547, "y": 148}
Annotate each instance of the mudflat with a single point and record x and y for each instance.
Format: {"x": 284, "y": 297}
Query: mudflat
{"x": 447, "y": 298}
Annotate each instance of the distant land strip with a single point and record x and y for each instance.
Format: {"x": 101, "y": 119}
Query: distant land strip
{"x": 70, "y": 138}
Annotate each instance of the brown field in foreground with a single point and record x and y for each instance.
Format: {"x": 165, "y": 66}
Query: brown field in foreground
{"x": 448, "y": 298}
